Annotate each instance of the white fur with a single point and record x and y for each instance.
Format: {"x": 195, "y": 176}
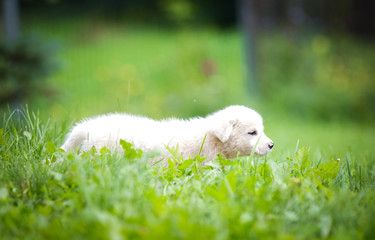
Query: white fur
{"x": 227, "y": 132}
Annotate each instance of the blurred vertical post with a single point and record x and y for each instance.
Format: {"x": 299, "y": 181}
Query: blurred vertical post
{"x": 246, "y": 16}
{"x": 11, "y": 20}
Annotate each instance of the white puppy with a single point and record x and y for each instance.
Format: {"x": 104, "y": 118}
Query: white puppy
{"x": 231, "y": 131}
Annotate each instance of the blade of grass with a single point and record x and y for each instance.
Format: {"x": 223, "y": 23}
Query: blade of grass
{"x": 294, "y": 158}
{"x": 200, "y": 150}
{"x": 349, "y": 173}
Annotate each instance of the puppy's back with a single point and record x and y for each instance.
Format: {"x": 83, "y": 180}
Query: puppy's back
{"x": 107, "y": 130}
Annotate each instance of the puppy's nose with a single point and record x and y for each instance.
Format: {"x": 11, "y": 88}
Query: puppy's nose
{"x": 270, "y": 145}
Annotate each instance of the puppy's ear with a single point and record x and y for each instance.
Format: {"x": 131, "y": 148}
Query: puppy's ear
{"x": 222, "y": 130}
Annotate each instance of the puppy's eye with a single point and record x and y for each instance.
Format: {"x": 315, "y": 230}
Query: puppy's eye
{"x": 252, "y": 133}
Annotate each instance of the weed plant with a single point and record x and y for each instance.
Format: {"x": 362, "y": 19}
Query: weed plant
{"x": 121, "y": 196}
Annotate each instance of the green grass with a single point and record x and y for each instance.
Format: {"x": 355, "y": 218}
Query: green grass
{"x": 296, "y": 195}
{"x": 108, "y": 67}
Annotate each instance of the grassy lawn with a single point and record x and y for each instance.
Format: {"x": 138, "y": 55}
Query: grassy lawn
{"x": 107, "y": 67}
{"x": 317, "y": 183}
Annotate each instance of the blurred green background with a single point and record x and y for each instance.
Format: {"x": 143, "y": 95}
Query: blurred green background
{"x": 306, "y": 66}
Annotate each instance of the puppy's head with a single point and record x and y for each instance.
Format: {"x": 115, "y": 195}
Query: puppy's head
{"x": 240, "y": 130}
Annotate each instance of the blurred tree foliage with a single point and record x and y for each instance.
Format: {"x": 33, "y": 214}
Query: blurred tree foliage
{"x": 329, "y": 78}
{"x": 350, "y": 16}
{"x": 24, "y": 65}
